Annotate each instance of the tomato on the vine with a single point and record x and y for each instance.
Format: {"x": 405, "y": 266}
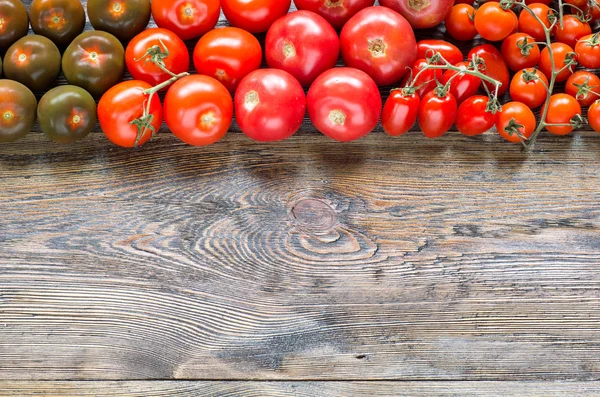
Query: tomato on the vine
{"x": 450, "y": 52}
{"x": 516, "y": 122}
{"x": 463, "y": 85}
{"x": 583, "y": 86}
{"x": 571, "y": 30}
{"x": 529, "y": 86}
{"x": 460, "y": 23}
{"x": 122, "y": 18}
{"x": 530, "y": 25}
{"x": 593, "y": 116}
{"x": 426, "y": 80}
{"x": 400, "y": 112}
{"x": 561, "y": 110}
{"x": 188, "y": 19}
{"x": 588, "y": 51}
{"x": 15, "y": 22}
{"x": 59, "y": 20}
{"x": 494, "y": 67}
{"x": 520, "y": 51}
{"x": 494, "y": 23}
{"x": 562, "y": 54}
{"x": 473, "y": 118}
{"x": 437, "y": 113}
{"x": 254, "y": 16}
{"x": 337, "y": 13}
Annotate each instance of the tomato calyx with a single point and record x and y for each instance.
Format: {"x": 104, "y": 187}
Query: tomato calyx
{"x": 514, "y": 128}
{"x": 584, "y": 89}
{"x": 592, "y": 41}
{"x": 525, "y": 46}
{"x": 157, "y": 55}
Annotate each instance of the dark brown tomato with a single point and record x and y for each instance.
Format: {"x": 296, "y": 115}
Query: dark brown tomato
{"x": 14, "y": 22}
{"x": 59, "y": 20}
{"x": 17, "y": 110}
{"x": 95, "y": 61}
{"x": 34, "y": 61}
{"x": 122, "y": 18}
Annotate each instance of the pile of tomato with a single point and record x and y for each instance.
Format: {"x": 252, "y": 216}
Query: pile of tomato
{"x": 527, "y": 50}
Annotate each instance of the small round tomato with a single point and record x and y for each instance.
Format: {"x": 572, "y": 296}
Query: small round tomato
{"x": 34, "y": 61}
{"x": 437, "y": 113}
{"x": 380, "y": 42}
{"x": 254, "y": 16}
{"x": 494, "y": 23}
{"x": 17, "y": 110}
{"x": 188, "y": 19}
{"x": 15, "y": 22}
{"x": 59, "y": 20}
{"x": 95, "y": 61}
{"x": 592, "y": 11}
{"x": 460, "y": 24}
{"x": 303, "y": 44}
{"x": 463, "y": 85}
{"x": 561, "y": 110}
{"x": 67, "y": 114}
{"x": 472, "y": 116}
{"x": 122, "y": 18}
{"x": 516, "y": 122}
{"x": 588, "y": 51}
{"x": 572, "y": 30}
{"x": 344, "y": 104}
{"x": 520, "y": 51}
{"x": 198, "y": 110}
{"x": 123, "y": 104}
{"x": 583, "y": 86}
{"x": 156, "y": 43}
{"x": 270, "y": 105}
{"x": 450, "y": 52}
{"x": 529, "y": 86}
{"x": 593, "y": 116}
{"x": 400, "y": 112}
{"x": 530, "y": 25}
{"x": 494, "y": 67}
{"x": 421, "y": 14}
{"x": 425, "y": 81}
{"x": 561, "y": 54}
{"x": 336, "y": 12}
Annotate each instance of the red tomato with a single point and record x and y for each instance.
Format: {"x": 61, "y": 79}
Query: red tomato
{"x": 437, "y": 114}
{"x": 494, "y": 23}
{"x": 421, "y": 14}
{"x": 573, "y": 29}
{"x": 495, "y": 67}
{"x": 198, "y": 110}
{"x": 583, "y": 86}
{"x": 270, "y": 105}
{"x": 472, "y": 118}
{"x": 592, "y": 11}
{"x": 588, "y": 51}
{"x": 122, "y": 104}
{"x": 337, "y": 13}
{"x": 530, "y": 2}
{"x": 529, "y": 25}
{"x": 344, "y": 104}
{"x": 380, "y": 42}
{"x": 427, "y": 80}
{"x": 460, "y": 24}
{"x": 227, "y": 54}
{"x": 561, "y": 110}
{"x": 303, "y": 44}
{"x": 577, "y": 3}
{"x": 520, "y": 51}
{"x": 450, "y": 52}
{"x": 519, "y": 114}
{"x": 400, "y": 112}
{"x": 593, "y": 116}
{"x": 530, "y": 87}
{"x": 254, "y": 16}
{"x": 463, "y": 85}
{"x": 560, "y": 52}
{"x": 188, "y": 19}
{"x": 151, "y": 41}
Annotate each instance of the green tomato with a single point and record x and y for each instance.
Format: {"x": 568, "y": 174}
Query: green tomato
{"x": 34, "y": 61}
{"x": 59, "y": 20}
{"x": 14, "y": 22}
{"x": 124, "y": 19}
{"x": 17, "y": 110}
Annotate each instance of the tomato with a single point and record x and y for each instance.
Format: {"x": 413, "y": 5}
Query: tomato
{"x": 529, "y": 25}
{"x": 582, "y": 85}
{"x": 188, "y": 19}
{"x": 460, "y": 23}
{"x": 592, "y": 11}
{"x": 17, "y": 110}
{"x": 33, "y": 61}
{"x": 530, "y": 2}
{"x": 577, "y": 3}
{"x": 494, "y": 23}
{"x": 67, "y": 114}
{"x": 400, "y": 112}
{"x": 59, "y": 20}
{"x": 588, "y": 51}
{"x": 198, "y": 110}
{"x": 122, "y": 18}
{"x": 472, "y": 117}
{"x": 530, "y": 87}
{"x": 336, "y": 12}
{"x": 254, "y": 16}
{"x": 593, "y": 116}
{"x": 124, "y": 103}
{"x": 437, "y": 114}
{"x": 573, "y": 29}
{"x": 380, "y": 42}
{"x": 561, "y": 54}
{"x": 520, "y": 51}
{"x": 303, "y": 44}
{"x": 15, "y": 22}
{"x": 450, "y": 52}
{"x": 95, "y": 61}
{"x": 344, "y": 104}
{"x": 419, "y": 13}
{"x": 463, "y": 85}
{"x": 426, "y": 81}
{"x": 561, "y": 110}
{"x": 270, "y": 105}
{"x": 515, "y": 113}
{"x": 495, "y": 67}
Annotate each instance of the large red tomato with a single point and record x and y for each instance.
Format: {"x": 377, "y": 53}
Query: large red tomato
{"x": 255, "y": 16}
{"x": 303, "y": 44}
{"x": 421, "y": 14}
{"x": 381, "y": 43}
{"x": 336, "y": 12}
{"x": 186, "y": 18}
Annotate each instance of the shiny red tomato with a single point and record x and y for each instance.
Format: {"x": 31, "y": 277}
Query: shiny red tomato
{"x": 380, "y": 42}
{"x": 530, "y": 25}
{"x": 561, "y": 110}
{"x": 336, "y": 12}
{"x": 227, "y": 54}
{"x": 494, "y": 23}
{"x": 472, "y": 117}
{"x": 124, "y": 103}
{"x": 583, "y": 86}
{"x": 303, "y": 44}
{"x": 495, "y": 67}
{"x": 198, "y": 110}
{"x": 572, "y": 30}
{"x": 529, "y": 86}
{"x": 188, "y": 19}
{"x": 254, "y": 16}
{"x": 518, "y": 116}
{"x": 437, "y": 114}
{"x": 561, "y": 53}
{"x": 520, "y": 51}
{"x": 593, "y": 116}
{"x": 270, "y": 105}
{"x": 588, "y": 51}
{"x": 344, "y": 104}
{"x": 450, "y": 52}
{"x": 463, "y": 85}
{"x": 400, "y": 112}
{"x": 460, "y": 24}
{"x": 424, "y": 81}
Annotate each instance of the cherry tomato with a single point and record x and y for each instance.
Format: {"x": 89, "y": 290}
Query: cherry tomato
{"x": 530, "y": 87}
{"x": 579, "y": 80}
{"x": 15, "y": 22}
{"x": 33, "y": 60}
{"x": 592, "y": 11}
{"x": 188, "y": 19}
{"x": 437, "y": 114}
{"x": 593, "y": 116}
{"x": 577, "y": 3}
{"x": 530, "y": 2}
{"x": 460, "y": 23}
{"x": 124, "y": 103}
{"x": 529, "y": 25}
{"x": 59, "y": 20}
{"x": 495, "y": 67}
{"x": 472, "y": 117}
{"x": 337, "y": 13}
{"x": 494, "y": 23}
{"x": 400, "y": 112}
{"x": 520, "y": 51}
{"x": 519, "y": 114}
{"x": 303, "y": 44}
{"x": 17, "y": 110}
{"x": 450, "y": 52}
{"x": 561, "y": 110}
{"x": 561, "y": 52}
{"x": 463, "y": 85}
{"x": 254, "y": 16}
{"x": 426, "y": 80}
{"x": 380, "y": 42}
{"x": 270, "y": 105}
{"x": 122, "y": 18}
{"x": 344, "y": 104}
{"x": 588, "y": 51}
{"x": 198, "y": 110}
{"x": 228, "y": 55}
{"x": 572, "y": 30}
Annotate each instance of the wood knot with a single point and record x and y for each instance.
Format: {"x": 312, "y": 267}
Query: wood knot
{"x": 314, "y": 214}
